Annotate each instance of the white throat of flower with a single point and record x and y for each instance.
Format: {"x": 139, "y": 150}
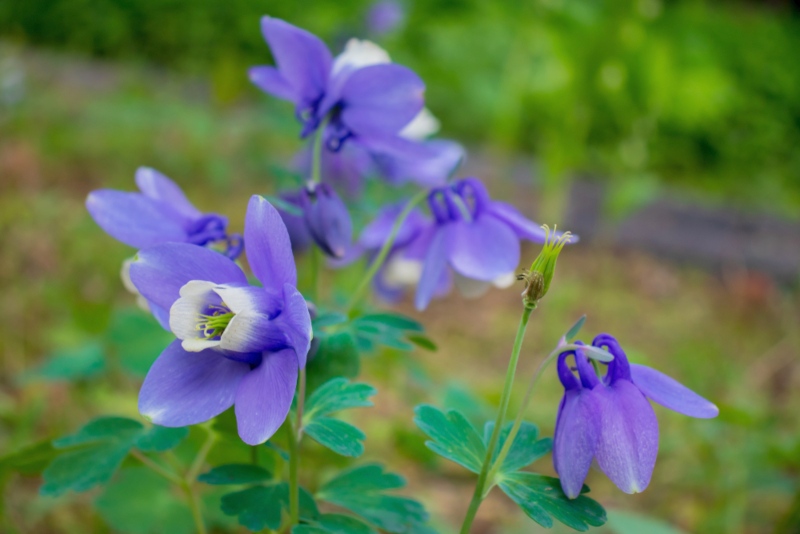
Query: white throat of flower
{"x": 358, "y": 54}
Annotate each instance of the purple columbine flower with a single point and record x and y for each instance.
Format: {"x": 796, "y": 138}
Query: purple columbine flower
{"x": 324, "y": 220}
{"x": 414, "y": 158}
{"x": 360, "y": 93}
{"x": 160, "y": 213}
{"x": 472, "y": 242}
{"x": 611, "y": 420}
{"x": 327, "y": 219}
{"x": 385, "y": 16}
{"x": 237, "y": 344}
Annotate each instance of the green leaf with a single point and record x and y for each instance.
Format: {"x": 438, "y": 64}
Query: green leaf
{"x": 139, "y": 501}
{"x": 574, "y": 329}
{"x": 394, "y": 321}
{"x": 334, "y": 524}
{"x": 338, "y": 394}
{"x": 361, "y": 490}
{"x": 422, "y": 342}
{"x": 337, "y": 356}
{"x": 161, "y": 438}
{"x": 30, "y": 460}
{"x": 105, "y": 443}
{"x": 136, "y": 339}
{"x": 542, "y": 499}
{"x": 328, "y": 319}
{"x": 260, "y": 507}
{"x": 340, "y": 437}
{"x": 525, "y": 450}
{"x": 452, "y": 436}
{"x": 333, "y": 396}
{"x": 72, "y": 364}
{"x": 625, "y": 522}
{"x": 235, "y": 474}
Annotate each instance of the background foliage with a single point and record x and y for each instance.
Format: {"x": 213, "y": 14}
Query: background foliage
{"x": 643, "y": 95}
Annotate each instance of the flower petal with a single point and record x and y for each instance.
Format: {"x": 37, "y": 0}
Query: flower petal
{"x": 160, "y": 272}
{"x": 483, "y": 249}
{"x": 296, "y": 323}
{"x": 434, "y": 268}
{"x": 251, "y": 331}
{"x": 628, "y": 443}
{"x": 303, "y": 59}
{"x": 185, "y": 388}
{"x": 270, "y": 80}
{"x": 158, "y": 187}
{"x": 575, "y": 439}
{"x": 381, "y": 99}
{"x": 265, "y": 395}
{"x": 670, "y": 393}
{"x": 268, "y": 248}
{"x": 430, "y": 169}
{"x": 135, "y": 219}
{"x": 378, "y": 230}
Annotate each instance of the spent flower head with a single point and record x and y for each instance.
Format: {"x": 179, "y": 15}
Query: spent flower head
{"x": 538, "y": 278}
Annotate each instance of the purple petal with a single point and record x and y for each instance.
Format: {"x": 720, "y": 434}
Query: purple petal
{"x": 160, "y": 272}
{"x": 575, "y": 439}
{"x": 268, "y": 248}
{"x": 522, "y": 226}
{"x": 135, "y": 219}
{"x": 158, "y": 187}
{"x": 265, "y": 395}
{"x": 380, "y": 228}
{"x": 270, "y": 80}
{"x": 303, "y": 59}
{"x": 434, "y": 269}
{"x": 161, "y": 314}
{"x": 381, "y": 99}
{"x": 670, "y": 393}
{"x": 628, "y": 441}
{"x": 185, "y": 388}
{"x": 429, "y": 170}
{"x": 296, "y": 322}
{"x": 483, "y": 249}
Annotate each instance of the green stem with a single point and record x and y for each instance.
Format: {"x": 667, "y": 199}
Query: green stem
{"x": 295, "y": 435}
{"x": 194, "y": 506}
{"x": 163, "y": 471}
{"x": 199, "y": 460}
{"x": 478, "y": 495}
{"x": 294, "y": 490}
{"x": 520, "y": 414}
{"x": 316, "y": 154}
{"x": 384, "y": 252}
{"x": 314, "y": 268}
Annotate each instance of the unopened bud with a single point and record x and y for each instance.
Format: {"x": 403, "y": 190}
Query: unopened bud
{"x": 538, "y": 278}
{"x": 328, "y": 219}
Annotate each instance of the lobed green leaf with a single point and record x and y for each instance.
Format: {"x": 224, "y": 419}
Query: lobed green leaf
{"x": 340, "y": 437}
{"x": 452, "y": 436}
{"x": 542, "y": 499}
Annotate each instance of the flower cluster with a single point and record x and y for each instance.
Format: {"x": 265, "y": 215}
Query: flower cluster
{"x": 243, "y": 341}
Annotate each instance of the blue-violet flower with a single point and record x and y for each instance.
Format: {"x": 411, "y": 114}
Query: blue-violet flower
{"x": 611, "y": 420}
{"x": 237, "y": 344}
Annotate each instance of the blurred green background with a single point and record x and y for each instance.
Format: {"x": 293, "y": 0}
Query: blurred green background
{"x": 702, "y": 98}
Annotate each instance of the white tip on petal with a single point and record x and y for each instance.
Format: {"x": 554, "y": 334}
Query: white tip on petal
{"x": 197, "y": 344}
{"x": 422, "y": 126}
{"x": 358, "y": 54}
{"x": 504, "y": 281}
{"x": 185, "y": 312}
{"x": 125, "y": 274}
{"x": 401, "y": 272}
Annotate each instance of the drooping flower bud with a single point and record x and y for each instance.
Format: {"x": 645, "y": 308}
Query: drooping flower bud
{"x": 538, "y": 278}
{"x": 328, "y": 219}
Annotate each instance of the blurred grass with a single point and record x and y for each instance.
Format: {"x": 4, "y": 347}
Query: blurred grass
{"x": 639, "y": 93}
{"x": 82, "y": 125}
